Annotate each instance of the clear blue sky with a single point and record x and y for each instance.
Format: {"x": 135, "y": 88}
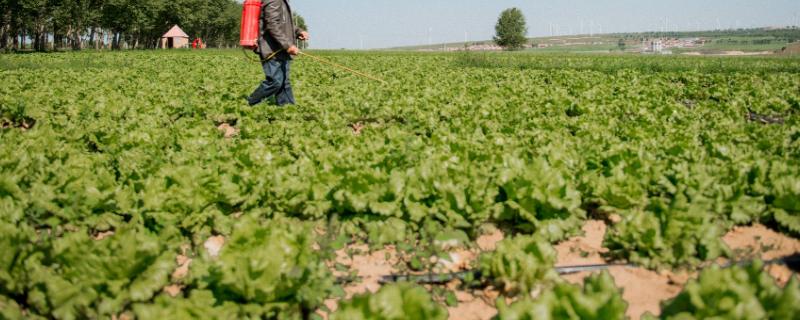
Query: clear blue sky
{"x": 389, "y": 23}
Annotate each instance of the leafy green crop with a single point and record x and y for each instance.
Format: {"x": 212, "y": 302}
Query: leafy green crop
{"x": 677, "y": 233}
{"x": 598, "y": 299}
{"x": 521, "y": 264}
{"x": 392, "y": 302}
{"x": 200, "y": 304}
{"x": 735, "y": 293}
{"x": 78, "y": 277}
{"x": 270, "y": 267}
{"x": 534, "y": 144}
{"x": 540, "y": 198}
{"x": 785, "y": 197}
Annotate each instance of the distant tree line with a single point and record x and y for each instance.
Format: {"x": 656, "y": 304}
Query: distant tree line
{"x": 789, "y": 34}
{"x": 44, "y": 25}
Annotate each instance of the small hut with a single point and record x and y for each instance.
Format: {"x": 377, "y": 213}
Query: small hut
{"x": 175, "y": 38}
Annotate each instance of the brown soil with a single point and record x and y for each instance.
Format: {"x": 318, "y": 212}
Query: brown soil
{"x": 643, "y": 289}
{"x": 758, "y": 241}
{"x": 472, "y": 305}
{"x": 173, "y": 290}
{"x": 102, "y": 235}
{"x": 183, "y": 261}
{"x": 488, "y": 241}
{"x": 214, "y": 245}
{"x": 583, "y": 250}
{"x": 357, "y": 128}
{"x": 369, "y": 266}
{"x": 183, "y": 267}
{"x": 228, "y": 131}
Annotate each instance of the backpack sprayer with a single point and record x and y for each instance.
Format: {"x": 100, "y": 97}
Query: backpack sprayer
{"x": 249, "y": 33}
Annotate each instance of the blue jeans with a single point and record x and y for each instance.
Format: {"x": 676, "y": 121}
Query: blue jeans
{"x": 277, "y": 84}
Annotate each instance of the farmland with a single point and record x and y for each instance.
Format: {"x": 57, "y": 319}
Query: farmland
{"x": 140, "y": 185}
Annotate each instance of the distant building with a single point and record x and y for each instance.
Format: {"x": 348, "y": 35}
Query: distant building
{"x": 175, "y": 38}
{"x": 665, "y": 45}
{"x": 656, "y": 46}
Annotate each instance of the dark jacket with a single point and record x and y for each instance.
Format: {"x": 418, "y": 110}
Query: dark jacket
{"x": 277, "y": 29}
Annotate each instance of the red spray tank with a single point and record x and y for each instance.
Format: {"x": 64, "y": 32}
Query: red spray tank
{"x": 251, "y": 13}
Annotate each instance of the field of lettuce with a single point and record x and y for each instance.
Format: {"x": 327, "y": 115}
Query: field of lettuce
{"x": 139, "y": 185}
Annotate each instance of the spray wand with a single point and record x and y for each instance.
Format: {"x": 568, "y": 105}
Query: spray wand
{"x": 322, "y": 61}
{"x": 336, "y": 65}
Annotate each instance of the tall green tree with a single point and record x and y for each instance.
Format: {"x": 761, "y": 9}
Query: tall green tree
{"x": 511, "y": 29}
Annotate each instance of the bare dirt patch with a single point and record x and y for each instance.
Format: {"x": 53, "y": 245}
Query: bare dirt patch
{"x": 488, "y": 241}
{"x": 472, "y": 305}
{"x": 181, "y": 271}
{"x": 760, "y": 242}
{"x": 583, "y": 250}
{"x": 100, "y": 236}
{"x": 183, "y": 267}
{"x": 214, "y": 245}
{"x": 370, "y": 266}
{"x": 644, "y": 290}
{"x": 173, "y": 290}
{"x": 228, "y": 130}
{"x": 357, "y": 128}
{"x": 742, "y": 53}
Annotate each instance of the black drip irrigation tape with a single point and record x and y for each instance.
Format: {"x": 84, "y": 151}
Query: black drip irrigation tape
{"x": 793, "y": 262}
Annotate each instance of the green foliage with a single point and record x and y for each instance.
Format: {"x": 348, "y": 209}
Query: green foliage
{"x": 200, "y": 304}
{"x": 540, "y": 198}
{"x": 532, "y": 143}
{"x": 598, "y": 299}
{"x": 735, "y": 293}
{"x": 270, "y": 267}
{"x": 134, "y": 23}
{"x": 391, "y": 302}
{"x": 511, "y": 29}
{"x": 521, "y": 264}
{"x": 78, "y": 277}
{"x": 9, "y": 309}
{"x": 785, "y": 197}
{"x": 678, "y": 233}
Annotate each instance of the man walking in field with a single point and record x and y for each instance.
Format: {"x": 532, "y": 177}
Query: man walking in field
{"x": 276, "y": 46}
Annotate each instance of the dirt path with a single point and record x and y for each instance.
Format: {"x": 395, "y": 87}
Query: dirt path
{"x": 643, "y": 289}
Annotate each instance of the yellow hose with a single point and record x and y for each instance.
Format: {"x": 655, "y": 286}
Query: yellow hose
{"x": 331, "y": 63}
{"x": 323, "y": 61}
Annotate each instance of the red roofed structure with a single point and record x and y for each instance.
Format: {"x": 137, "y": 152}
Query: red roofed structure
{"x": 175, "y": 38}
